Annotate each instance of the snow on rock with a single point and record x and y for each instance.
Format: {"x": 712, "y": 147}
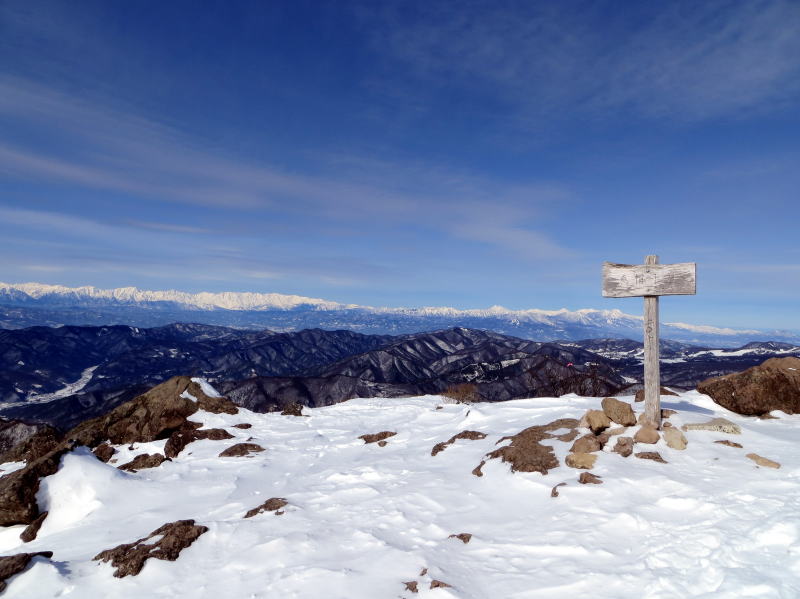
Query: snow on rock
{"x": 362, "y": 522}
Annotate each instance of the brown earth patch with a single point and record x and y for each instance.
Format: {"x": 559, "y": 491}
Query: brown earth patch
{"x": 14, "y": 564}
{"x": 375, "y": 437}
{"x": 525, "y": 453}
{"x": 273, "y": 504}
{"x": 129, "y": 558}
{"x": 469, "y": 435}
{"x": 240, "y": 450}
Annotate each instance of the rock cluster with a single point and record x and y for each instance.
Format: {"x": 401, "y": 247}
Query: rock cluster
{"x": 772, "y": 385}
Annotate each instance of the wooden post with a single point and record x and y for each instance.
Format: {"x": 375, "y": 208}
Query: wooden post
{"x": 652, "y": 366}
{"x": 650, "y": 281}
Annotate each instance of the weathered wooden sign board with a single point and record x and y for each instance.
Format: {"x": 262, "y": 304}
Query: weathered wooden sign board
{"x": 650, "y": 280}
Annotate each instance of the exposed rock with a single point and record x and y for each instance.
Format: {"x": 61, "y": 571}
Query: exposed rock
{"x": 470, "y": 435}
{"x": 650, "y": 455}
{"x": 104, "y": 452}
{"x": 190, "y": 432}
{"x": 423, "y": 572}
{"x": 525, "y": 453}
{"x": 729, "y": 443}
{"x": 587, "y": 478}
{"x": 674, "y": 438}
{"x": 241, "y": 449}
{"x": 151, "y": 416}
{"x": 292, "y": 409}
{"x": 464, "y": 537}
{"x": 665, "y": 424}
{"x": 596, "y": 421}
{"x": 145, "y": 460}
{"x": 767, "y": 416}
{"x": 375, "y": 437}
{"x": 773, "y": 385}
{"x": 34, "y": 447}
{"x": 14, "y": 432}
{"x": 412, "y": 586}
{"x": 618, "y": 411}
{"x": 762, "y": 461}
{"x": 554, "y": 490}
{"x": 382, "y": 443}
{"x": 646, "y": 434}
{"x": 664, "y": 391}
{"x": 717, "y": 425}
{"x": 18, "y": 489}
{"x": 438, "y": 584}
{"x": 273, "y": 504}
{"x": 128, "y": 559}
{"x": 243, "y": 425}
{"x": 584, "y": 461}
{"x": 586, "y": 444}
{"x": 30, "y": 532}
{"x": 624, "y": 446}
{"x": 14, "y": 564}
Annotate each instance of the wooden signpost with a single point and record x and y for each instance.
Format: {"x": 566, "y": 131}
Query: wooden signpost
{"x": 650, "y": 280}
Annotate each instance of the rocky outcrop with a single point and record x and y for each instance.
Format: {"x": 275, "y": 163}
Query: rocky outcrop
{"x": 773, "y": 385}
{"x": 33, "y": 447}
{"x": 14, "y": 564}
{"x": 18, "y": 489}
{"x": 168, "y": 542}
{"x": 14, "y": 432}
{"x": 153, "y": 415}
{"x": 469, "y": 435}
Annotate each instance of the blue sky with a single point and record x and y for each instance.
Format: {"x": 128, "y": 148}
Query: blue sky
{"x": 433, "y": 153}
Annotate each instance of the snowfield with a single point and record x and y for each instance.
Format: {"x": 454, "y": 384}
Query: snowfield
{"x": 363, "y": 520}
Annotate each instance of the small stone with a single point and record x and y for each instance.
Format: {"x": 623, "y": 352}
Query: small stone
{"x": 718, "y": 425}
{"x": 554, "y": 490}
{"x": 665, "y": 413}
{"x": 729, "y": 443}
{"x": 464, "y": 537}
{"x": 584, "y": 461}
{"x": 618, "y": 411}
{"x": 382, "y": 443}
{"x": 664, "y": 391}
{"x": 243, "y": 425}
{"x": 241, "y": 449}
{"x": 762, "y": 461}
{"x": 30, "y": 532}
{"x": 650, "y": 455}
{"x": 438, "y": 584}
{"x": 674, "y": 438}
{"x": 597, "y": 421}
{"x": 624, "y": 446}
{"x": 375, "y": 437}
{"x": 292, "y": 409}
{"x": 666, "y": 424}
{"x": 587, "y": 478}
{"x": 411, "y": 585}
{"x": 586, "y": 444}
{"x": 273, "y": 504}
{"x": 646, "y": 434}
{"x": 145, "y": 460}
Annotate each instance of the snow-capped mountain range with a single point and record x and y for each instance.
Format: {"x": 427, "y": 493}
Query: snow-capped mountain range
{"x": 29, "y": 304}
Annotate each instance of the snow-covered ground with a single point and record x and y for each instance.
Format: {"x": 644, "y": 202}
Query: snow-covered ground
{"x": 362, "y": 519}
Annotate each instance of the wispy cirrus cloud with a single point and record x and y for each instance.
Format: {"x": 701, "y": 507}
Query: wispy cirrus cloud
{"x": 685, "y": 60}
